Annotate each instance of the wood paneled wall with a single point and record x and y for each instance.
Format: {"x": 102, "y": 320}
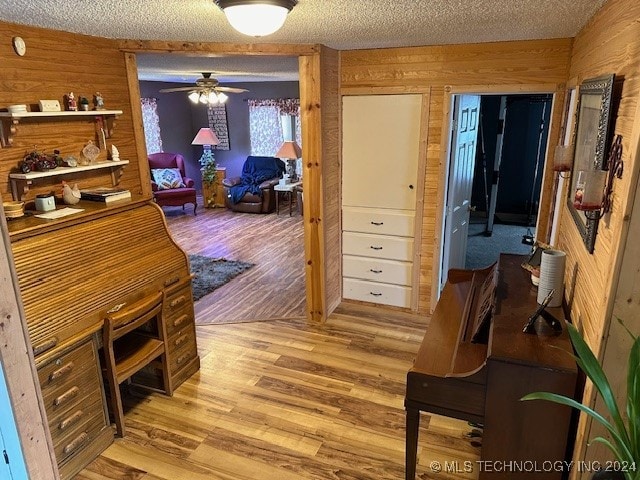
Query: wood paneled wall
{"x": 55, "y": 64}
{"x": 507, "y": 64}
{"x": 609, "y": 43}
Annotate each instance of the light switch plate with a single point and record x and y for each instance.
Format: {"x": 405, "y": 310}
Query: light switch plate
{"x": 49, "y": 106}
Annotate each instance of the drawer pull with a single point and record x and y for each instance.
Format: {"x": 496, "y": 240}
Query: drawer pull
{"x": 61, "y": 372}
{"x": 75, "y": 443}
{"x": 375, "y": 271}
{"x": 375, "y": 294}
{"x": 377, "y": 224}
{"x": 66, "y": 396}
{"x": 171, "y": 281}
{"x": 183, "y": 358}
{"x": 180, "y": 340}
{"x": 43, "y": 347}
{"x": 67, "y": 422}
{"x": 177, "y": 301}
{"x": 180, "y": 320}
{"x": 375, "y": 248}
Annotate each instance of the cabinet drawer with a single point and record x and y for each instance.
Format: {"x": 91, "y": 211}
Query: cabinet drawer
{"x": 377, "y": 221}
{"x": 81, "y": 438}
{"x": 65, "y": 366}
{"x": 382, "y": 293}
{"x": 377, "y": 246}
{"x": 377, "y": 270}
{"x": 185, "y": 351}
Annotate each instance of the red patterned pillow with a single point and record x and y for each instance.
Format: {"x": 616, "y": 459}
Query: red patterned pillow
{"x": 167, "y": 178}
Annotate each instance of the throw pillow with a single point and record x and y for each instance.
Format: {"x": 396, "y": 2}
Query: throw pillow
{"x": 167, "y": 178}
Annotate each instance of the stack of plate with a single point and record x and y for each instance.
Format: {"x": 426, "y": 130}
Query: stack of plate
{"x": 13, "y": 209}
{"x": 17, "y": 109}
{"x": 552, "y": 276}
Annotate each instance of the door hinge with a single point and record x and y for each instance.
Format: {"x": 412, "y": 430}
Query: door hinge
{"x": 6, "y": 457}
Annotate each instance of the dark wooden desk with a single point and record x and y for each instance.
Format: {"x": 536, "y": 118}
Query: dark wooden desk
{"x": 489, "y": 393}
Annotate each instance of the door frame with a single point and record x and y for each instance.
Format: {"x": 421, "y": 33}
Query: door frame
{"x": 546, "y": 198}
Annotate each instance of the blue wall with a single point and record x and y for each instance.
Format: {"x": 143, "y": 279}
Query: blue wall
{"x": 180, "y": 120}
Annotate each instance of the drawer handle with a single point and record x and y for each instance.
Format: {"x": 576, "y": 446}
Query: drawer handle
{"x": 171, "y": 281}
{"x": 180, "y": 320}
{"x": 178, "y": 301}
{"x": 375, "y": 271}
{"x": 377, "y": 224}
{"x": 61, "y": 372}
{"x": 183, "y": 358}
{"x": 375, "y": 248}
{"x": 180, "y": 340}
{"x": 67, "y": 422}
{"x": 375, "y": 294}
{"x": 75, "y": 443}
{"x": 43, "y": 347}
{"x": 66, "y": 396}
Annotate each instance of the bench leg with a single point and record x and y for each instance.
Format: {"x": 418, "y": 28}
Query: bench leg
{"x": 411, "y": 447}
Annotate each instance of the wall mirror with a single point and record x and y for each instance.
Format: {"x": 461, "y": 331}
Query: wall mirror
{"x": 590, "y": 147}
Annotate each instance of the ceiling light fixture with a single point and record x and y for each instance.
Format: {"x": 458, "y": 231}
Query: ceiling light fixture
{"x": 208, "y": 97}
{"x": 256, "y": 18}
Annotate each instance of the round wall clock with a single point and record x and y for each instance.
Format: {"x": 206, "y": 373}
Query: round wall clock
{"x": 19, "y": 46}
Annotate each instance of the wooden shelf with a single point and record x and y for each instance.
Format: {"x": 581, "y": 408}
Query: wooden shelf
{"x": 21, "y": 182}
{"x": 9, "y": 121}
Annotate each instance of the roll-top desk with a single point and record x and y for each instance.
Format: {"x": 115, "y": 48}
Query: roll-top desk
{"x": 71, "y": 273}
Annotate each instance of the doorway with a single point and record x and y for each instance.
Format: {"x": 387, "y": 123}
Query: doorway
{"x": 492, "y": 199}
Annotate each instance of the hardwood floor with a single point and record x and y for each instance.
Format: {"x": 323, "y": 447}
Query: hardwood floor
{"x": 285, "y": 400}
{"x": 274, "y": 288}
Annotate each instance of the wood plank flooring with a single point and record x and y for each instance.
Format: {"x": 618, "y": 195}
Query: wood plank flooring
{"x": 274, "y": 288}
{"x": 285, "y": 400}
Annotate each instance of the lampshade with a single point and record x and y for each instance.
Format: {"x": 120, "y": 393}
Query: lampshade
{"x": 290, "y": 151}
{"x": 205, "y": 136}
{"x": 256, "y": 18}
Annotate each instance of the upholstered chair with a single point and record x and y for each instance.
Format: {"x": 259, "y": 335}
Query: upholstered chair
{"x": 169, "y": 183}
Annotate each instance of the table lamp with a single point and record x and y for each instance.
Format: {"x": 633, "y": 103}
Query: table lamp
{"x": 290, "y": 151}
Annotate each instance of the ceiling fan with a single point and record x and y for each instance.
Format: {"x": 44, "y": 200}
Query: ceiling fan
{"x": 207, "y": 90}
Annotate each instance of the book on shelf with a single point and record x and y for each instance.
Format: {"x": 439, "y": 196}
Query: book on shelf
{"x": 106, "y": 195}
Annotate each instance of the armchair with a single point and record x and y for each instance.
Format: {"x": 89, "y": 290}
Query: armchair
{"x": 253, "y": 191}
{"x": 176, "y": 193}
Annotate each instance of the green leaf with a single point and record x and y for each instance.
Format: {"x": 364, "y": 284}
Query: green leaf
{"x": 633, "y": 397}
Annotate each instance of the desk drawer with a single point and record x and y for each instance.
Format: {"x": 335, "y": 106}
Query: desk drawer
{"x": 178, "y": 310}
{"x": 382, "y": 222}
{"x": 377, "y": 246}
{"x": 377, "y": 270}
{"x": 382, "y": 293}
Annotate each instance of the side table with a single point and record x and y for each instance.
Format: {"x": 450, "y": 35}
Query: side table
{"x": 287, "y": 189}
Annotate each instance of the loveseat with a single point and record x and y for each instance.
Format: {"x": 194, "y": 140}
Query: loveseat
{"x": 253, "y": 192}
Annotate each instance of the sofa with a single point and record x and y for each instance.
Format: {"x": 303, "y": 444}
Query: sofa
{"x": 253, "y": 191}
{"x": 174, "y": 192}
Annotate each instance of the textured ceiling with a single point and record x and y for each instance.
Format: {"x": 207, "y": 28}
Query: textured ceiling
{"x": 339, "y": 24}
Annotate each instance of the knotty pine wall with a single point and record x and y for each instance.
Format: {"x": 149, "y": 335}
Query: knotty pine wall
{"x": 56, "y": 63}
{"x": 523, "y": 64}
{"x": 609, "y": 43}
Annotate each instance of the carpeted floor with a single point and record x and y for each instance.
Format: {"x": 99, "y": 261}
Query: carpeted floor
{"x": 211, "y": 273}
{"x": 482, "y": 251}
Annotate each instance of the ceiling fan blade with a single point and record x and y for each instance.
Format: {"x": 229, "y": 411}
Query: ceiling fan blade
{"x": 231, "y": 89}
{"x": 179, "y": 89}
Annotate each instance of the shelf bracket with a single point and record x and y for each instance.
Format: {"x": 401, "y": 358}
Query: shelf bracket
{"x": 19, "y": 188}
{"x": 8, "y": 128}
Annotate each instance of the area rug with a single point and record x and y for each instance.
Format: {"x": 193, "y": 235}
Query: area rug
{"x": 211, "y": 273}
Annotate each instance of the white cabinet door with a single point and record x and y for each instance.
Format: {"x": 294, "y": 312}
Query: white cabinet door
{"x": 380, "y": 148}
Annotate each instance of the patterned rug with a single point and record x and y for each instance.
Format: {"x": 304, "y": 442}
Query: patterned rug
{"x": 211, "y": 273}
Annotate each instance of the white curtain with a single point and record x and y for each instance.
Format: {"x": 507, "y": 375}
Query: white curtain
{"x": 151, "y": 123}
{"x": 265, "y": 127}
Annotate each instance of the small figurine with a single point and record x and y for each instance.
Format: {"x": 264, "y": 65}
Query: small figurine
{"x": 84, "y": 103}
{"x": 115, "y": 154}
{"x": 98, "y": 101}
{"x": 70, "y": 196}
{"x": 72, "y": 105}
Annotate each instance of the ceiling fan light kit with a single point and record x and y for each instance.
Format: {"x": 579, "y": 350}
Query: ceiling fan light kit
{"x": 207, "y": 91}
{"x": 256, "y": 18}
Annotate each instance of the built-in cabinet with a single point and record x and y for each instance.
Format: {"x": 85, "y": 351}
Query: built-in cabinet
{"x": 380, "y": 153}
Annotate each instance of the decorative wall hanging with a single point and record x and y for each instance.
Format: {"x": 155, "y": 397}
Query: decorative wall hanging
{"x": 217, "y": 115}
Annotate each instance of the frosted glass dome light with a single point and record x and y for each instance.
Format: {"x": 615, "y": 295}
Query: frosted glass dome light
{"x": 256, "y": 18}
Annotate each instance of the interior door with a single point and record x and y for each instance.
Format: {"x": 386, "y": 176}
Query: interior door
{"x": 11, "y": 459}
{"x": 461, "y": 163}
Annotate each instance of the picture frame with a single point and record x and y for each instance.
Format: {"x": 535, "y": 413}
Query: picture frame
{"x": 591, "y": 136}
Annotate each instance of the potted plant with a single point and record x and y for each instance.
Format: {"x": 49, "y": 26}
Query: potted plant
{"x": 624, "y": 429}
{"x": 209, "y": 177}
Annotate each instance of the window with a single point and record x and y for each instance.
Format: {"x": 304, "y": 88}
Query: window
{"x": 265, "y": 125}
{"x": 151, "y": 123}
